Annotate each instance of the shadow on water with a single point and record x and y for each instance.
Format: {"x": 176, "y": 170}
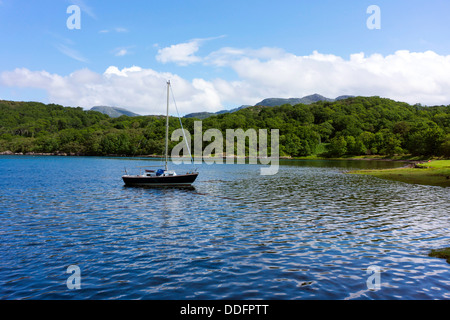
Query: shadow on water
{"x": 344, "y": 164}
{"x": 187, "y": 188}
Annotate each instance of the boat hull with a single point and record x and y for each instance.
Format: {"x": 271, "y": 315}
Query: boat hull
{"x": 178, "y": 180}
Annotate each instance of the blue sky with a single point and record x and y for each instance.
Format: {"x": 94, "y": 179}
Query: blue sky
{"x": 221, "y": 54}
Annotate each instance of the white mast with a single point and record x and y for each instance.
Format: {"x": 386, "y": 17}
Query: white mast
{"x": 167, "y": 124}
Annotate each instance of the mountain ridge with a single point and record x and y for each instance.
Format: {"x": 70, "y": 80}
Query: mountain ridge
{"x": 114, "y": 112}
{"x": 271, "y": 102}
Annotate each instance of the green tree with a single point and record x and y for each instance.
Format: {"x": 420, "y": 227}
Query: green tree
{"x": 337, "y": 147}
{"x": 445, "y": 146}
{"x": 355, "y": 146}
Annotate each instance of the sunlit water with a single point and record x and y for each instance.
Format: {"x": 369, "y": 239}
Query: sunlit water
{"x": 309, "y": 232}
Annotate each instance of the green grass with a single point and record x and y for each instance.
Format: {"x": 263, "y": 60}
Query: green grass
{"x": 434, "y": 173}
{"x": 437, "y": 164}
{"x": 441, "y": 253}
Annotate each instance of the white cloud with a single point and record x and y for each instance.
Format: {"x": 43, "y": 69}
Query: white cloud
{"x": 70, "y": 52}
{"x": 183, "y": 53}
{"x": 121, "y": 51}
{"x": 405, "y": 76}
{"x": 137, "y": 89}
{"x": 226, "y": 56}
{"x": 413, "y": 77}
{"x": 116, "y": 29}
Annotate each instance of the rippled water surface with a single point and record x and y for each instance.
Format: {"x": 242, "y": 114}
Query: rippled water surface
{"x": 309, "y": 232}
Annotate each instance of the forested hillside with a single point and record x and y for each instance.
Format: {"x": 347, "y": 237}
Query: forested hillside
{"x": 353, "y": 126}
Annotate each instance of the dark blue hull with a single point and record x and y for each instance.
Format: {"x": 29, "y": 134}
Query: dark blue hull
{"x": 178, "y": 180}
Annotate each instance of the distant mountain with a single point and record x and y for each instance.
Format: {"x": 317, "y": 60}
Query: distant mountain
{"x": 204, "y": 115}
{"x": 200, "y": 115}
{"x": 271, "y": 102}
{"x": 114, "y": 112}
{"x": 343, "y": 97}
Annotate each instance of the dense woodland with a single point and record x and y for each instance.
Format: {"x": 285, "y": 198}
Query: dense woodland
{"x": 349, "y": 127}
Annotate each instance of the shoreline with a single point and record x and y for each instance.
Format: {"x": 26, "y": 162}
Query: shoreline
{"x": 431, "y": 172}
{"x": 409, "y": 160}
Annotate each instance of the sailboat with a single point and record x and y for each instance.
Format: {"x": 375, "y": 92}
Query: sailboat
{"x": 161, "y": 177}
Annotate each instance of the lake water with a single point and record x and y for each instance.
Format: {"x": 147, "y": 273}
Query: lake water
{"x": 309, "y": 232}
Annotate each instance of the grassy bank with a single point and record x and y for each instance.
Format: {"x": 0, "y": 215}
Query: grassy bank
{"x": 404, "y": 157}
{"x": 441, "y": 253}
{"x": 434, "y": 173}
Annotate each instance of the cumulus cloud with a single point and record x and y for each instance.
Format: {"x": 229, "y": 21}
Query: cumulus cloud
{"x": 140, "y": 90}
{"x": 182, "y": 54}
{"x": 413, "y": 77}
